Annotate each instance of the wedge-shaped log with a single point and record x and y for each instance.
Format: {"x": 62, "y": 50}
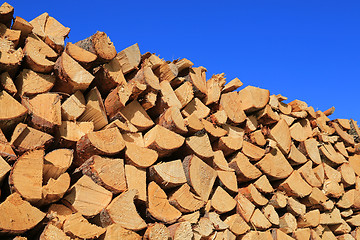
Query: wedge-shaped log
{"x": 172, "y": 120}
{"x": 25, "y": 138}
{"x": 109, "y": 76}
{"x": 168, "y": 174}
{"x": 354, "y": 162}
{"x": 136, "y": 179}
{"x": 200, "y": 146}
{"x": 252, "y": 151}
{"x": 295, "y": 186}
{"x": 116, "y": 231}
{"x": 73, "y": 107}
{"x": 185, "y": 201}
{"x": 263, "y": 185}
{"x": 267, "y": 116}
{"x": 140, "y": 156}
{"x": 106, "y": 142}
{"x": 288, "y": 223}
{"x": 271, "y": 214}
{"x": 44, "y": 110}
{"x": 7, "y": 83}
{"x": 185, "y": 93}
{"x": 253, "y": 98}
{"x": 244, "y": 170}
{"x": 244, "y": 207}
{"x": 51, "y": 231}
{"x": 251, "y": 193}
{"x": 307, "y": 172}
{"x": 6, "y": 15}
{"x": 146, "y": 76}
{"x": 181, "y": 230}
{"x": 213, "y": 89}
{"x": 229, "y": 144}
{"x": 275, "y": 165}
{"x": 259, "y": 221}
{"x": 137, "y": 116}
{"x": 122, "y": 211}
{"x": 221, "y": 201}
{"x": 30, "y": 83}
{"x": 237, "y": 225}
{"x": 228, "y": 180}
{"x": 54, "y": 190}
{"x": 343, "y": 134}
{"x": 88, "y": 198}
{"x": 163, "y": 140}
{"x": 14, "y": 208}
{"x": 100, "y": 45}
{"x": 72, "y": 75}
{"x": 198, "y": 79}
{"x": 195, "y": 106}
{"x": 199, "y": 175}
{"x": 331, "y": 154}
{"x": 56, "y": 163}
{"x": 281, "y": 134}
{"x": 11, "y": 112}
{"x": 6, "y": 150}
{"x": 232, "y": 85}
{"x": 4, "y": 169}
{"x": 159, "y": 206}
{"x": 156, "y": 231}
{"x": 301, "y": 130}
{"x": 129, "y": 58}
{"x": 107, "y": 172}
{"x": 26, "y": 176}
{"x": 82, "y": 56}
{"x": 77, "y": 226}
{"x": 348, "y": 176}
{"x": 231, "y": 104}
{"x": 71, "y": 132}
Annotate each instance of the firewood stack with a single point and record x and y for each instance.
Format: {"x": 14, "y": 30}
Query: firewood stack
{"x": 100, "y": 144}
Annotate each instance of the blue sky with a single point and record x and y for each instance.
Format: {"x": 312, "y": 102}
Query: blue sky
{"x": 307, "y": 50}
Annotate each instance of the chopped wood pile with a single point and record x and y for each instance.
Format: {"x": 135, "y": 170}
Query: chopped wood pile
{"x": 100, "y": 144}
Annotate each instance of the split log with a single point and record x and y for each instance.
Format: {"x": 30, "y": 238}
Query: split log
{"x": 166, "y": 71}
{"x": 156, "y": 231}
{"x": 281, "y": 134}
{"x": 185, "y": 201}
{"x": 73, "y": 107}
{"x": 263, "y": 185}
{"x": 106, "y": 142}
{"x": 267, "y": 116}
{"x": 301, "y": 130}
{"x": 106, "y": 172}
{"x": 310, "y": 147}
{"x": 77, "y": 226}
{"x": 87, "y": 198}
{"x": 172, "y": 120}
{"x": 147, "y": 77}
{"x": 277, "y": 234}
{"x": 56, "y": 163}
{"x": 343, "y": 135}
{"x": 134, "y": 137}
{"x": 330, "y": 153}
{"x": 44, "y": 111}
{"x": 122, "y": 211}
{"x": 14, "y": 209}
{"x": 54, "y": 190}
{"x": 25, "y": 138}
{"x": 55, "y": 34}
{"x": 11, "y": 113}
{"x": 307, "y": 172}
{"x": 294, "y": 185}
{"x": 340, "y": 147}
{"x": 38, "y": 55}
{"x": 162, "y": 140}
{"x": 251, "y": 193}
{"x": 271, "y": 214}
{"x": 168, "y": 174}
{"x": 100, "y": 45}
{"x": 159, "y": 206}
{"x": 237, "y": 225}
{"x": 200, "y": 146}
{"x": 253, "y": 98}
{"x": 199, "y": 175}
{"x": 228, "y": 180}
{"x": 216, "y": 221}
{"x": 275, "y": 165}
{"x": 129, "y": 58}
{"x": 213, "y": 89}
{"x": 30, "y": 83}
{"x": 331, "y": 173}
{"x": 229, "y": 144}
{"x": 203, "y": 228}
{"x": 252, "y": 151}
{"x": 10, "y": 58}
{"x": 193, "y": 124}
{"x": 136, "y": 179}
{"x": 198, "y": 79}
{"x": 278, "y": 200}
{"x": 71, "y": 132}
{"x": 195, "y": 106}
{"x": 220, "y": 163}
{"x": 181, "y": 231}
{"x": 117, "y": 99}
{"x": 348, "y": 176}
{"x": 331, "y": 218}
{"x": 7, "y": 83}
{"x": 185, "y": 93}
{"x": 82, "y": 56}
{"x": 72, "y": 76}
{"x": 4, "y": 169}
{"x": 6, "y": 14}
{"x": 190, "y": 217}
{"x": 109, "y": 76}
{"x": 6, "y": 150}
{"x": 244, "y": 170}
{"x": 57, "y": 214}
{"x": 287, "y": 223}
{"x": 219, "y": 117}
{"x": 310, "y": 219}
{"x": 221, "y": 201}
{"x": 333, "y": 189}
{"x": 232, "y": 86}
{"x": 140, "y": 156}
{"x": 166, "y": 99}
{"x": 137, "y": 116}
{"x": 244, "y": 207}
{"x": 116, "y": 231}
{"x": 26, "y": 176}
{"x": 354, "y": 162}
{"x": 259, "y": 221}
{"x": 123, "y": 125}
{"x": 10, "y": 34}
{"x": 231, "y": 104}
{"x": 51, "y": 232}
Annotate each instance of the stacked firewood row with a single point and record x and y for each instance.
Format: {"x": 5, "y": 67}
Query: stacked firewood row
{"x": 100, "y": 144}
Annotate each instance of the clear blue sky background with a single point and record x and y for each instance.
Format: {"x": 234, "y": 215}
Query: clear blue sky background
{"x": 307, "y": 50}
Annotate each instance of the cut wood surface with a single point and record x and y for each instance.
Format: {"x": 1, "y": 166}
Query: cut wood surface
{"x": 124, "y": 145}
